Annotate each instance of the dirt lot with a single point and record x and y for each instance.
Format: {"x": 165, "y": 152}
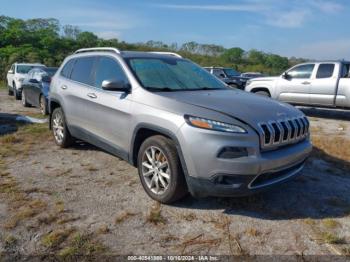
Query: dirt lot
{"x": 84, "y": 201}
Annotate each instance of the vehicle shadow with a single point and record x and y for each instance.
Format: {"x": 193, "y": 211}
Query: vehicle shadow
{"x": 327, "y": 113}
{"x": 322, "y": 191}
{"x": 8, "y": 123}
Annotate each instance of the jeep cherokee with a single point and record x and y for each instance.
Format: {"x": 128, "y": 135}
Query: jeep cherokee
{"x": 183, "y": 129}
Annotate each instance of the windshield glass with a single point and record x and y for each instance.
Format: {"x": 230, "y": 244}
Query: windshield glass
{"x": 172, "y": 74}
{"x": 231, "y": 72}
{"x": 24, "y": 69}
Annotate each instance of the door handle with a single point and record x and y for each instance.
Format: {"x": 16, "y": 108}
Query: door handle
{"x": 92, "y": 95}
{"x": 306, "y": 83}
{"x": 64, "y": 87}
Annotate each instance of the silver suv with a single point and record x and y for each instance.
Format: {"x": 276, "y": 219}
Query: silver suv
{"x": 183, "y": 129}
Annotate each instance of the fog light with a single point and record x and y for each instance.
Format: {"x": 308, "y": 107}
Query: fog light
{"x": 233, "y": 152}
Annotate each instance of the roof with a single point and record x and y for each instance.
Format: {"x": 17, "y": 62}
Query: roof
{"x": 30, "y": 64}
{"x": 133, "y": 54}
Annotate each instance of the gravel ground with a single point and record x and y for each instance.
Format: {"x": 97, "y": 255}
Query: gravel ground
{"x": 89, "y": 191}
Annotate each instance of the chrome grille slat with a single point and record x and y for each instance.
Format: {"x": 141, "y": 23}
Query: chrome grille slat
{"x": 283, "y": 131}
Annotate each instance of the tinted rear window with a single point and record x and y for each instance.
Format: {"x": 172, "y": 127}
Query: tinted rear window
{"x": 82, "y": 70}
{"x": 67, "y": 69}
{"x": 325, "y": 71}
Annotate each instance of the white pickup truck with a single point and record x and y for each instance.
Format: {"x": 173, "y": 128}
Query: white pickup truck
{"x": 314, "y": 83}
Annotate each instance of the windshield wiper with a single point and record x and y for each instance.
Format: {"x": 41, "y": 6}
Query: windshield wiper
{"x": 160, "y": 89}
{"x": 203, "y": 88}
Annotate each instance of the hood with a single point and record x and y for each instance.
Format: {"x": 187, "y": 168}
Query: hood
{"x": 271, "y": 78}
{"x": 247, "y": 107}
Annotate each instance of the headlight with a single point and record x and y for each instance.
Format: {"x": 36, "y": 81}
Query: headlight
{"x": 213, "y": 125}
{"x": 248, "y": 82}
{"x": 20, "y": 79}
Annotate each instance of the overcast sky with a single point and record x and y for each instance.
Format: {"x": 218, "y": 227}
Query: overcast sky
{"x": 317, "y": 29}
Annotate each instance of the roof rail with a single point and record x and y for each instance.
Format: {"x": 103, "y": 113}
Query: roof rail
{"x": 98, "y": 49}
{"x": 167, "y": 53}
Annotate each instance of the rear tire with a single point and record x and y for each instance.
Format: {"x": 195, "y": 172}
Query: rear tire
{"x": 160, "y": 170}
{"x": 59, "y": 129}
{"x": 263, "y": 93}
{"x": 43, "y": 105}
{"x": 10, "y": 92}
{"x": 24, "y": 99}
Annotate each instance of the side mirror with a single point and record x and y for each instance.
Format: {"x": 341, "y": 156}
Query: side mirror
{"x": 33, "y": 81}
{"x": 10, "y": 71}
{"x": 286, "y": 76}
{"x": 222, "y": 75}
{"x": 46, "y": 79}
{"x": 116, "y": 85}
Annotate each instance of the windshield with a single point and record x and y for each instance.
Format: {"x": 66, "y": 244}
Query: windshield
{"x": 172, "y": 74}
{"x": 231, "y": 72}
{"x": 24, "y": 69}
{"x": 51, "y": 71}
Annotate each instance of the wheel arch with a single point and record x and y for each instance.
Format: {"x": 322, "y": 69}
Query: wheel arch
{"x": 53, "y": 104}
{"x": 257, "y": 89}
{"x": 144, "y": 131}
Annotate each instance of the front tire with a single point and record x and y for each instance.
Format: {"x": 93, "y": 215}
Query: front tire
{"x": 160, "y": 170}
{"x": 59, "y": 129}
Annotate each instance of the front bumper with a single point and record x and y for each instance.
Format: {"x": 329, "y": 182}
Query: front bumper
{"x": 210, "y": 175}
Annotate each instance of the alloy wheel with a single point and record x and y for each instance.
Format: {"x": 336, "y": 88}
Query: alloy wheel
{"x": 58, "y": 127}
{"x": 155, "y": 170}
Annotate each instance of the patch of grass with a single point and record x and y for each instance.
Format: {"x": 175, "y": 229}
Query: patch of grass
{"x": 21, "y": 142}
{"x": 91, "y": 168}
{"x": 10, "y": 241}
{"x": 103, "y": 229}
{"x": 189, "y": 217}
{"x": 331, "y": 238}
{"x": 155, "y": 215}
{"x": 82, "y": 245}
{"x": 56, "y": 237}
{"x": 330, "y": 223}
{"x": 65, "y": 220}
{"x": 28, "y": 210}
{"x": 59, "y": 207}
{"x": 123, "y": 216}
{"x": 335, "y": 149}
{"x": 10, "y": 139}
{"x": 346, "y": 251}
{"x": 253, "y": 232}
{"x": 309, "y": 221}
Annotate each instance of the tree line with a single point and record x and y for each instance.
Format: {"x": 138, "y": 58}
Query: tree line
{"x": 47, "y": 41}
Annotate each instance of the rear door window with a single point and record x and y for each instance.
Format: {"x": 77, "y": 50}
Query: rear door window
{"x": 108, "y": 69}
{"x": 67, "y": 68}
{"x": 82, "y": 70}
{"x": 325, "y": 71}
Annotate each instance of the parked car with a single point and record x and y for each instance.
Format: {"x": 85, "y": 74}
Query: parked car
{"x": 183, "y": 128}
{"x": 36, "y": 86}
{"x": 251, "y": 75}
{"x": 16, "y": 75}
{"x": 229, "y": 76}
{"x": 314, "y": 83}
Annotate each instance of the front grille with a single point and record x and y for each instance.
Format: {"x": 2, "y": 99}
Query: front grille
{"x": 281, "y": 132}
